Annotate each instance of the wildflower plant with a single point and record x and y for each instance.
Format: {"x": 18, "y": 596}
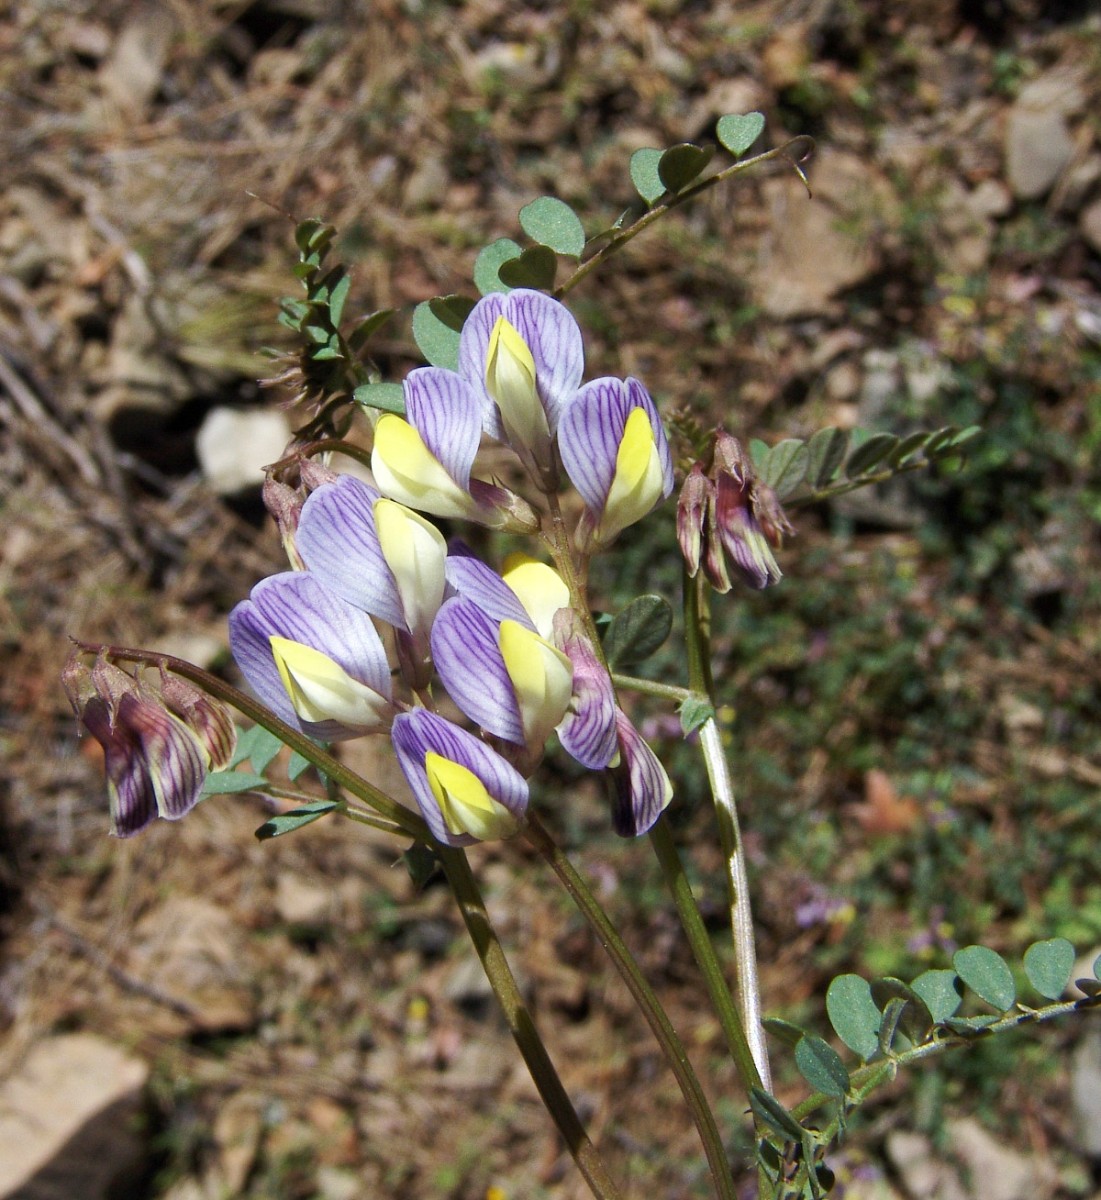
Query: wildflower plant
{"x": 381, "y": 626}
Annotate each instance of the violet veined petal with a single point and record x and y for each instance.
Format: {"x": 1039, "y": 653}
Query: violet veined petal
{"x": 588, "y": 730}
{"x": 553, "y": 337}
{"x": 175, "y": 758}
{"x": 298, "y": 607}
{"x": 447, "y": 412}
{"x": 417, "y": 735}
{"x": 338, "y": 542}
{"x": 590, "y": 433}
{"x": 130, "y": 790}
{"x": 642, "y": 788}
{"x": 470, "y": 577}
{"x": 468, "y": 659}
{"x": 539, "y": 588}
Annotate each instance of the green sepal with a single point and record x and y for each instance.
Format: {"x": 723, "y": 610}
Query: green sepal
{"x": 738, "y": 131}
{"x": 288, "y": 822}
{"x": 638, "y": 629}
{"x": 553, "y": 223}
{"x": 421, "y": 862}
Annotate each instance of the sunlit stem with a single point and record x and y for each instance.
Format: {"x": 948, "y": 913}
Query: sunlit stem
{"x": 644, "y": 997}
{"x": 621, "y": 237}
{"x": 520, "y": 1023}
{"x": 697, "y": 636}
{"x": 651, "y": 687}
{"x": 409, "y": 823}
{"x": 677, "y": 881}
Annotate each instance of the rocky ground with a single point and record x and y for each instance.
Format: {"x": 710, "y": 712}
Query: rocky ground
{"x": 290, "y": 1019}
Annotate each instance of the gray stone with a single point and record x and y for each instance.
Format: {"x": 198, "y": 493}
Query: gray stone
{"x": 233, "y": 447}
{"x": 66, "y": 1121}
{"x": 923, "y": 1173}
{"x": 1085, "y": 1092}
{"x": 1038, "y": 147}
{"x": 1090, "y": 224}
{"x": 995, "y": 1170}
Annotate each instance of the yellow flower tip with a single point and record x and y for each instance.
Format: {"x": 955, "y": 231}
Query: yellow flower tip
{"x": 510, "y": 380}
{"x": 321, "y": 690}
{"x": 508, "y": 357}
{"x": 405, "y": 470}
{"x": 538, "y": 587}
{"x": 542, "y": 678}
{"x": 638, "y": 481}
{"x": 414, "y": 550}
{"x": 466, "y": 805}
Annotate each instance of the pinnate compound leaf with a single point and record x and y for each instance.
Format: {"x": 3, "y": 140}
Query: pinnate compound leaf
{"x": 853, "y": 1014}
{"x": 227, "y": 783}
{"x": 907, "y": 448}
{"x": 338, "y": 297}
{"x": 738, "y": 131}
{"x": 784, "y": 1031}
{"x": 888, "y": 1026}
{"x": 772, "y": 1113}
{"x": 553, "y": 223}
{"x": 388, "y": 397}
{"x": 694, "y": 712}
{"x": 786, "y": 466}
{"x": 535, "y": 268}
{"x": 288, "y": 822}
{"x": 679, "y": 165}
{"x": 821, "y": 1066}
{"x": 645, "y": 175}
{"x": 915, "y": 1019}
{"x": 297, "y": 766}
{"x": 370, "y": 324}
{"x": 869, "y": 453}
{"x": 826, "y": 452}
{"x": 487, "y": 266}
{"x": 941, "y": 992}
{"x": 438, "y": 341}
{"x": 987, "y": 974}
{"x": 1048, "y": 966}
{"x": 638, "y": 629}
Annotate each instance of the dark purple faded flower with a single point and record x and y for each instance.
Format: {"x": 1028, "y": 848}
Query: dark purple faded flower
{"x": 466, "y": 792}
{"x": 158, "y": 744}
{"x": 314, "y": 659}
{"x": 641, "y": 788}
{"x": 748, "y": 517}
{"x": 616, "y": 454}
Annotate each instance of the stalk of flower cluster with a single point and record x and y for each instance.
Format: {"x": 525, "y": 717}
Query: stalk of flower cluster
{"x": 697, "y": 638}
{"x": 643, "y": 995}
{"x": 492, "y": 956}
{"x": 407, "y": 822}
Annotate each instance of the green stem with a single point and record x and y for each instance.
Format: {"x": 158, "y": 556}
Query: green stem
{"x": 650, "y": 687}
{"x": 492, "y": 956}
{"x": 623, "y": 236}
{"x": 677, "y": 881}
{"x": 644, "y": 997}
{"x": 409, "y": 823}
{"x": 697, "y": 629}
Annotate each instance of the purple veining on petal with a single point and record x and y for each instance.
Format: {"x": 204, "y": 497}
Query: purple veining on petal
{"x": 588, "y": 730}
{"x": 338, "y": 543}
{"x": 416, "y": 733}
{"x": 642, "y": 788}
{"x": 446, "y": 410}
{"x": 133, "y": 800}
{"x": 297, "y": 606}
{"x": 554, "y": 338}
{"x": 473, "y": 349}
{"x": 177, "y": 765}
{"x": 468, "y": 659}
{"x": 470, "y": 577}
{"x": 591, "y": 430}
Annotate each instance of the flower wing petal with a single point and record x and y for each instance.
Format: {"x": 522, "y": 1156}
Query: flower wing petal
{"x": 447, "y": 412}
{"x": 642, "y": 788}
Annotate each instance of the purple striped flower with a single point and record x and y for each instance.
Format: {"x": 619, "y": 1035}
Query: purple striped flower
{"x": 641, "y": 790}
{"x": 314, "y": 659}
{"x": 522, "y": 353}
{"x": 466, "y": 792}
{"x": 616, "y": 454}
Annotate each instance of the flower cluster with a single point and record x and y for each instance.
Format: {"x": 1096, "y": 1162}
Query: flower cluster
{"x": 515, "y": 652}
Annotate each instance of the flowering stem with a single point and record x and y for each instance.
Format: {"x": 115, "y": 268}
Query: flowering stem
{"x": 676, "y": 879}
{"x": 697, "y": 622}
{"x": 651, "y": 687}
{"x": 457, "y": 868}
{"x": 407, "y": 822}
{"x": 644, "y": 997}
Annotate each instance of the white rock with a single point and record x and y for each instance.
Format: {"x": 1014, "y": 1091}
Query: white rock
{"x": 300, "y": 903}
{"x": 1038, "y": 147}
{"x": 65, "y": 1120}
{"x": 1085, "y": 1092}
{"x": 924, "y": 1174}
{"x": 233, "y": 447}
{"x": 995, "y": 1169}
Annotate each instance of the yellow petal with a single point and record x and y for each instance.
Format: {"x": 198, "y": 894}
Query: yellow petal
{"x": 407, "y": 471}
{"x": 539, "y": 588}
{"x": 414, "y": 550}
{"x": 321, "y": 690}
{"x": 638, "y": 481}
{"x": 510, "y": 380}
{"x": 542, "y": 678}
{"x": 466, "y": 805}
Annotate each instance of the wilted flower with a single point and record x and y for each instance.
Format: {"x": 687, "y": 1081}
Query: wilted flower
{"x": 641, "y": 790}
{"x": 158, "y": 742}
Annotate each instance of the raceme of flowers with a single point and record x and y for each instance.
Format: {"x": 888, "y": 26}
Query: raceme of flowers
{"x": 509, "y": 649}
{"x": 513, "y": 651}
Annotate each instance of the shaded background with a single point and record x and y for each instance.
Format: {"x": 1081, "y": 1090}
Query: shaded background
{"x": 916, "y": 706}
